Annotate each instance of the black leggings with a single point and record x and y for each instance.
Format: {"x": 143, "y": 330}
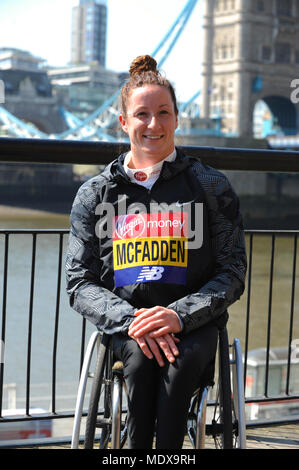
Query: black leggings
{"x": 159, "y": 397}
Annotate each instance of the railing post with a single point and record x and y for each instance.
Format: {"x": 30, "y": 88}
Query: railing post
{"x": 56, "y": 323}
{"x": 29, "y": 342}
{"x": 269, "y": 314}
{"x": 291, "y": 312}
{"x": 4, "y": 300}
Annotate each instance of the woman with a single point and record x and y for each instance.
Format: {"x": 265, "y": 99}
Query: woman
{"x": 156, "y": 255}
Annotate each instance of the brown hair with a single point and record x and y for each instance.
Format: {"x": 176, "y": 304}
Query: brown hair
{"x": 143, "y": 71}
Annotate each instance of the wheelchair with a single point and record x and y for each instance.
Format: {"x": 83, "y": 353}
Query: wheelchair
{"x": 216, "y": 411}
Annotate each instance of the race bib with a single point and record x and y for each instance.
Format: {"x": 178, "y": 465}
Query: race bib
{"x": 150, "y": 248}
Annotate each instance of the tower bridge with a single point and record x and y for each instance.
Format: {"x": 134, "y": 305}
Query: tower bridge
{"x": 251, "y": 54}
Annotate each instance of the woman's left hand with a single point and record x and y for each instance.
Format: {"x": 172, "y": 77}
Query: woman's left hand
{"x": 154, "y": 347}
{"x": 157, "y": 321}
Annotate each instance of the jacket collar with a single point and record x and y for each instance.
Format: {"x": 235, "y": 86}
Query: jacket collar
{"x": 116, "y": 170}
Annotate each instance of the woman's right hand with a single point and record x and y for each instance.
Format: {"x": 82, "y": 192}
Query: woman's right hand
{"x": 152, "y": 347}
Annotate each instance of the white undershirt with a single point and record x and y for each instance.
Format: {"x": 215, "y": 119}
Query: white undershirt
{"x": 146, "y": 176}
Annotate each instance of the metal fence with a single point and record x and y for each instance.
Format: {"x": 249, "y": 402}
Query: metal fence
{"x": 289, "y": 316}
{"x": 88, "y": 152}
{"x": 33, "y": 234}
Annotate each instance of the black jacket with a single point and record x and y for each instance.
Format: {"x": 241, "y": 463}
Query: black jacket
{"x": 117, "y": 263}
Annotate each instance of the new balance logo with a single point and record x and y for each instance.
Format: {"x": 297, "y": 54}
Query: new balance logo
{"x": 150, "y": 274}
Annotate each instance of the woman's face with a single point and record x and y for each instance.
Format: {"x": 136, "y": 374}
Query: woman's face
{"x": 150, "y": 123}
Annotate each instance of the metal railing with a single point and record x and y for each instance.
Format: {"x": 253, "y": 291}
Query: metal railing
{"x": 33, "y": 233}
{"x": 291, "y": 234}
{"x": 101, "y": 153}
{"x": 27, "y": 150}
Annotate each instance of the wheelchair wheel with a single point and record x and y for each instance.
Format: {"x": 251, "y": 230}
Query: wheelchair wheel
{"x": 100, "y": 387}
{"x": 106, "y": 392}
{"x": 118, "y": 427}
{"x": 223, "y": 401}
{"x": 220, "y": 417}
{"x": 238, "y": 396}
{"x": 228, "y": 424}
{"x": 196, "y": 422}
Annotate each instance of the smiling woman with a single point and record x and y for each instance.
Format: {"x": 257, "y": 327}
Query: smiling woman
{"x": 148, "y": 115}
{"x": 150, "y": 123}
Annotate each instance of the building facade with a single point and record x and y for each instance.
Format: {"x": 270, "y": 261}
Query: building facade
{"x": 89, "y": 27}
{"x": 251, "y": 54}
{"x": 18, "y": 59}
{"x": 84, "y": 88}
{"x": 28, "y": 91}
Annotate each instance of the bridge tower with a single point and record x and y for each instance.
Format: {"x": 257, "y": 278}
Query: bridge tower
{"x": 251, "y": 55}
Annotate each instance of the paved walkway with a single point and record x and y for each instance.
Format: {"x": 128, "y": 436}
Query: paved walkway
{"x": 275, "y": 437}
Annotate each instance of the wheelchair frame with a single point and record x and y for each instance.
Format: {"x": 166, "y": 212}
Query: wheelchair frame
{"x": 227, "y": 427}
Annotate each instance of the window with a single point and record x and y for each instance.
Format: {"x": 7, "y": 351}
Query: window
{"x": 260, "y": 5}
{"x": 222, "y": 93}
{"x": 282, "y": 53}
{"x": 266, "y": 53}
{"x": 216, "y": 51}
{"x": 232, "y": 50}
{"x": 284, "y": 7}
{"x": 297, "y": 56}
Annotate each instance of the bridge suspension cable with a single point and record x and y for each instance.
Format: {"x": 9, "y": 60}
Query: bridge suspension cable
{"x": 18, "y": 128}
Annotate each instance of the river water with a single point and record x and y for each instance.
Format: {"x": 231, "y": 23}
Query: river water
{"x": 70, "y": 323}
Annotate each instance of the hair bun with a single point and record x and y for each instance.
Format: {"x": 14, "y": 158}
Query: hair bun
{"x": 143, "y": 63}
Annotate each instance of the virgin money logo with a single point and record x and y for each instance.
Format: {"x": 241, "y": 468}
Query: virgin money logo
{"x": 132, "y": 225}
{"x": 140, "y": 176}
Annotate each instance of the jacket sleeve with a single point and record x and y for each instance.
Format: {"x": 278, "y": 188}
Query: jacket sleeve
{"x": 227, "y": 284}
{"x": 108, "y": 312}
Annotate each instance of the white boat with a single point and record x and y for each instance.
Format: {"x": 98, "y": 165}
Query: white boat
{"x": 277, "y": 383}
{"x": 24, "y": 429}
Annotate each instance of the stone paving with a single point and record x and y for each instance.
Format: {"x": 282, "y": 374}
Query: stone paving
{"x": 274, "y": 437}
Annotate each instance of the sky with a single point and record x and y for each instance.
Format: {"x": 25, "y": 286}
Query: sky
{"x": 135, "y": 27}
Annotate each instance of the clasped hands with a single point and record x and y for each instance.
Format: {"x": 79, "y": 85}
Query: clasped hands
{"x": 153, "y": 329}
